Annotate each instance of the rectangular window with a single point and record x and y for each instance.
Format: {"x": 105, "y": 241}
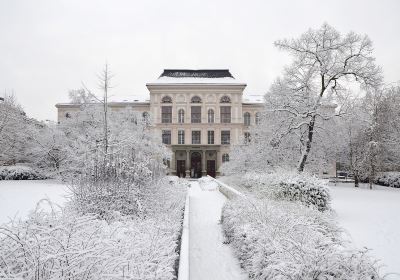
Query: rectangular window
{"x": 210, "y": 137}
{"x": 225, "y": 137}
{"x": 181, "y": 137}
{"x": 166, "y": 137}
{"x": 166, "y": 114}
{"x": 196, "y": 114}
{"x": 225, "y": 114}
{"x": 196, "y": 139}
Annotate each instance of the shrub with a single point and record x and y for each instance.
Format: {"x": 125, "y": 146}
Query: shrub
{"x": 19, "y": 173}
{"x": 308, "y": 190}
{"x": 67, "y": 245}
{"x": 389, "y": 179}
{"x": 284, "y": 240}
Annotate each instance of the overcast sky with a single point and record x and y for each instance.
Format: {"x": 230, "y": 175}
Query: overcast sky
{"x": 49, "y": 47}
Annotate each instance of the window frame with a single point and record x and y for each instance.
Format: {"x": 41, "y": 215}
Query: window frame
{"x": 164, "y": 133}
{"x": 166, "y": 99}
{"x": 166, "y": 117}
{"x": 225, "y": 137}
{"x": 224, "y": 115}
{"x": 181, "y": 137}
{"x": 197, "y": 133}
{"x": 195, "y": 117}
{"x": 246, "y": 119}
{"x": 210, "y": 136}
{"x": 210, "y": 116}
{"x": 225, "y": 158}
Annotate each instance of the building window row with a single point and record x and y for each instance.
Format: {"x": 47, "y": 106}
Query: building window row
{"x": 166, "y": 114}
{"x": 196, "y": 99}
{"x": 196, "y": 137}
{"x": 247, "y": 118}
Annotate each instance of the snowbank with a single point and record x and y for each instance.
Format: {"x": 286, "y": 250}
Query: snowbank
{"x": 208, "y": 184}
{"x": 17, "y": 172}
{"x": 284, "y": 240}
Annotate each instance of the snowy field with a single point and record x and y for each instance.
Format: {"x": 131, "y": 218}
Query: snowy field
{"x": 372, "y": 220}
{"x": 18, "y": 198}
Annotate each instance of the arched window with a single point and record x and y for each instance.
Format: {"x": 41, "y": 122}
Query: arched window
{"x": 210, "y": 116}
{"x": 257, "y": 118}
{"x": 225, "y": 99}
{"x": 166, "y": 99}
{"x": 225, "y": 158}
{"x": 246, "y": 118}
{"x": 196, "y": 99}
{"x": 181, "y": 116}
{"x": 68, "y": 115}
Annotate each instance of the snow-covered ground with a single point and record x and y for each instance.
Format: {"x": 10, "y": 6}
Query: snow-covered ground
{"x": 209, "y": 258}
{"x": 18, "y": 198}
{"x": 372, "y": 219}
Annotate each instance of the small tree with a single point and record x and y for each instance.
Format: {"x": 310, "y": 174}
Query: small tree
{"x": 324, "y": 64}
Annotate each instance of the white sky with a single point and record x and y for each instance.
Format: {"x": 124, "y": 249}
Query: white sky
{"x": 47, "y": 47}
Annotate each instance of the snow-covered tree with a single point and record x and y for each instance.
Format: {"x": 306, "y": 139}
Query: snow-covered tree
{"x": 325, "y": 63}
{"x": 12, "y": 127}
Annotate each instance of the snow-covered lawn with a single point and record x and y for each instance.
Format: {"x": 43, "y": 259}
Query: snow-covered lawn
{"x": 372, "y": 218}
{"x": 18, "y": 198}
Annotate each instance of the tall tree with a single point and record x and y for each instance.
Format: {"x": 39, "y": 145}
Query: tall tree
{"x": 325, "y": 64}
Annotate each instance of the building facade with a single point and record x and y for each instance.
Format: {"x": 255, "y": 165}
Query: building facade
{"x": 198, "y": 114}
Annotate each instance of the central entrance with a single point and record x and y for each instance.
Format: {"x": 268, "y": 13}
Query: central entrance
{"x": 195, "y": 168}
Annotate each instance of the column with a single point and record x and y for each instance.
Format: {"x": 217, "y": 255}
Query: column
{"x": 173, "y": 163}
{"x": 203, "y": 164}
{"x": 218, "y": 161}
{"x": 187, "y": 163}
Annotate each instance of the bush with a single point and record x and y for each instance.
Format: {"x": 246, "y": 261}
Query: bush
{"x": 19, "y": 173}
{"x": 67, "y": 245}
{"x": 308, "y": 190}
{"x": 389, "y": 179}
{"x": 284, "y": 240}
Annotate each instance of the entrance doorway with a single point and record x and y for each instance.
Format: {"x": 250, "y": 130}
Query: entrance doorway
{"x": 180, "y": 168}
{"x": 195, "y": 168}
{"x": 211, "y": 168}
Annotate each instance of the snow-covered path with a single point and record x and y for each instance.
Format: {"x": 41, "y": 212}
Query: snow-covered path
{"x": 209, "y": 258}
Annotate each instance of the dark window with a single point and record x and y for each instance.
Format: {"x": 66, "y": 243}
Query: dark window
{"x": 166, "y": 99}
{"x": 181, "y": 137}
{"x": 146, "y": 117}
{"x": 246, "y": 118}
{"x": 225, "y": 114}
{"x": 225, "y": 158}
{"x": 196, "y": 138}
{"x": 166, "y": 114}
{"x": 166, "y": 137}
{"x": 257, "y": 118}
{"x": 68, "y": 115}
{"x": 225, "y": 137}
{"x": 247, "y": 137}
{"x": 210, "y": 136}
{"x": 181, "y": 116}
{"x": 196, "y": 114}
{"x": 210, "y": 116}
{"x": 225, "y": 99}
{"x": 196, "y": 99}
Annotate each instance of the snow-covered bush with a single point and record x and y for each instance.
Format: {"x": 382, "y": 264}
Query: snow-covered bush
{"x": 389, "y": 179}
{"x": 66, "y": 245}
{"x": 17, "y": 172}
{"x": 284, "y": 240}
{"x": 292, "y": 186}
{"x": 207, "y": 183}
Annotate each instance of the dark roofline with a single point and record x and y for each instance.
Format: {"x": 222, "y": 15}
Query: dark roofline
{"x": 200, "y": 73}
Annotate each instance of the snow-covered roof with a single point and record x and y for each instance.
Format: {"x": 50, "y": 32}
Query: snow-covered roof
{"x": 204, "y": 76}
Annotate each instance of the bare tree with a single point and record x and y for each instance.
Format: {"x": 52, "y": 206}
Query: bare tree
{"x": 325, "y": 64}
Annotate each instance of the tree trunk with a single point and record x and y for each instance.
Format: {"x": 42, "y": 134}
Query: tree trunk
{"x": 356, "y": 180}
{"x": 305, "y": 153}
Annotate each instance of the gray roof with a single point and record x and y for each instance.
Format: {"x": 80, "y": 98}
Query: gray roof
{"x": 205, "y": 73}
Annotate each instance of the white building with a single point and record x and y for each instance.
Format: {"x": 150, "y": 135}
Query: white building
{"x": 199, "y": 114}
